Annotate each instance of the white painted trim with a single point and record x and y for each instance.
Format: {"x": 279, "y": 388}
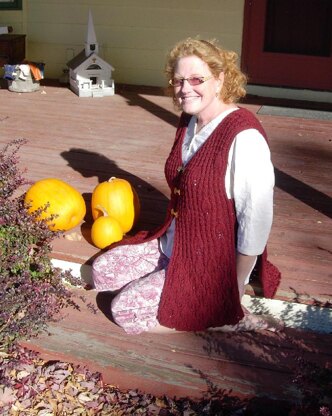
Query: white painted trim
{"x": 294, "y": 315}
{"x": 82, "y": 271}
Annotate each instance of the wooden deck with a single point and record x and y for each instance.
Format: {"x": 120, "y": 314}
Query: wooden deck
{"x": 87, "y": 140}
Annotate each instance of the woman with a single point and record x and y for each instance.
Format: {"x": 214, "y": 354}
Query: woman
{"x": 190, "y": 274}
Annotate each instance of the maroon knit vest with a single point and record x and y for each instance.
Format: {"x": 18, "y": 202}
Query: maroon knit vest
{"x": 201, "y": 289}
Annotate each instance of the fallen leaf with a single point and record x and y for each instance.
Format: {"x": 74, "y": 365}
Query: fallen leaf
{"x": 7, "y": 395}
{"x": 22, "y": 374}
{"x": 74, "y": 236}
{"x": 160, "y": 402}
{"x": 45, "y": 412}
{"x": 84, "y": 397}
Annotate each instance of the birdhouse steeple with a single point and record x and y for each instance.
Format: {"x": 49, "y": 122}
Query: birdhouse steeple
{"x": 91, "y": 44}
{"x": 89, "y": 74}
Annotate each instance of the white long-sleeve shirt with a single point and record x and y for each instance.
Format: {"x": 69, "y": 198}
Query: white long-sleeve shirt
{"x": 249, "y": 180}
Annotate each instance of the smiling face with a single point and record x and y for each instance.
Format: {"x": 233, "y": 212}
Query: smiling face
{"x": 200, "y": 100}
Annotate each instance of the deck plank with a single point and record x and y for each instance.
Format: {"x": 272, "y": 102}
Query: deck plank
{"x": 182, "y": 364}
{"x": 85, "y": 141}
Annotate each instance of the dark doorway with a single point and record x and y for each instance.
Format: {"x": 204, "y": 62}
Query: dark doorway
{"x": 288, "y": 43}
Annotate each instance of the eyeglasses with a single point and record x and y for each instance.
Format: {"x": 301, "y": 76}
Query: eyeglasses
{"x": 177, "y": 82}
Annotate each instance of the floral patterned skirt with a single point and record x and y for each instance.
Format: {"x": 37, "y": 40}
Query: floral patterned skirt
{"x": 138, "y": 273}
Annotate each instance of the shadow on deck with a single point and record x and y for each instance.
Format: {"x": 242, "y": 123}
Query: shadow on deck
{"x": 253, "y": 364}
{"x": 85, "y": 141}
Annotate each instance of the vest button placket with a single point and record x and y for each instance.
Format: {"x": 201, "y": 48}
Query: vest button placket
{"x": 174, "y": 213}
{"x": 176, "y": 192}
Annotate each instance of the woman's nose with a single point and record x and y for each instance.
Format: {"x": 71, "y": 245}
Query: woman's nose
{"x": 185, "y": 85}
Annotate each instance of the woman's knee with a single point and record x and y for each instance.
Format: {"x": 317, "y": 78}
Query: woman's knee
{"x": 124, "y": 264}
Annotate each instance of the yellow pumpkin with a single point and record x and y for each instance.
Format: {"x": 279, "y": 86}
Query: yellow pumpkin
{"x": 105, "y": 231}
{"x": 120, "y": 201}
{"x": 65, "y": 202}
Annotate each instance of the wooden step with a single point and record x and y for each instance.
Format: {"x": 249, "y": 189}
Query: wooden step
{"x": 181, "y": 364}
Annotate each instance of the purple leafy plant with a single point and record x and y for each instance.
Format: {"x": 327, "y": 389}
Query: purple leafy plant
{"x": 32, "y": 291}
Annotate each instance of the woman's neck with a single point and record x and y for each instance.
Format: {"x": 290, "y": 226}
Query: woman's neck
{"x": 203, "y": 120}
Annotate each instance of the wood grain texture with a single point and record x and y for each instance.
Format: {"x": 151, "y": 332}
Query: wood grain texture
{"x": 87, "y": 140}
{"x": 181, "y": 364}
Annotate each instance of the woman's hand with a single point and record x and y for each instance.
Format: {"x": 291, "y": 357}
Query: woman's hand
{"x": 244, "y": 266}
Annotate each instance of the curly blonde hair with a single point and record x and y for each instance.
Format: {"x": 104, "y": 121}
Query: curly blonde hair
{"x": 218, "y": 60}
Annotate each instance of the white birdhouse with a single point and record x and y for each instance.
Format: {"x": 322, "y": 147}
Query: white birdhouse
{"x": 89, "y": 75}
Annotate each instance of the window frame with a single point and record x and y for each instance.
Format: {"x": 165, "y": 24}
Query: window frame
{"x": 11, "y": 4}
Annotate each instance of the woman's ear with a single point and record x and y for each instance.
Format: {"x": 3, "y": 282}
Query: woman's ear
{"x": 220, "y": 83}
{"x": 221, "y": 78}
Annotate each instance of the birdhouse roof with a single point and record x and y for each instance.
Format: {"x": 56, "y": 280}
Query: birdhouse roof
{"x": 81, "y": 59}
